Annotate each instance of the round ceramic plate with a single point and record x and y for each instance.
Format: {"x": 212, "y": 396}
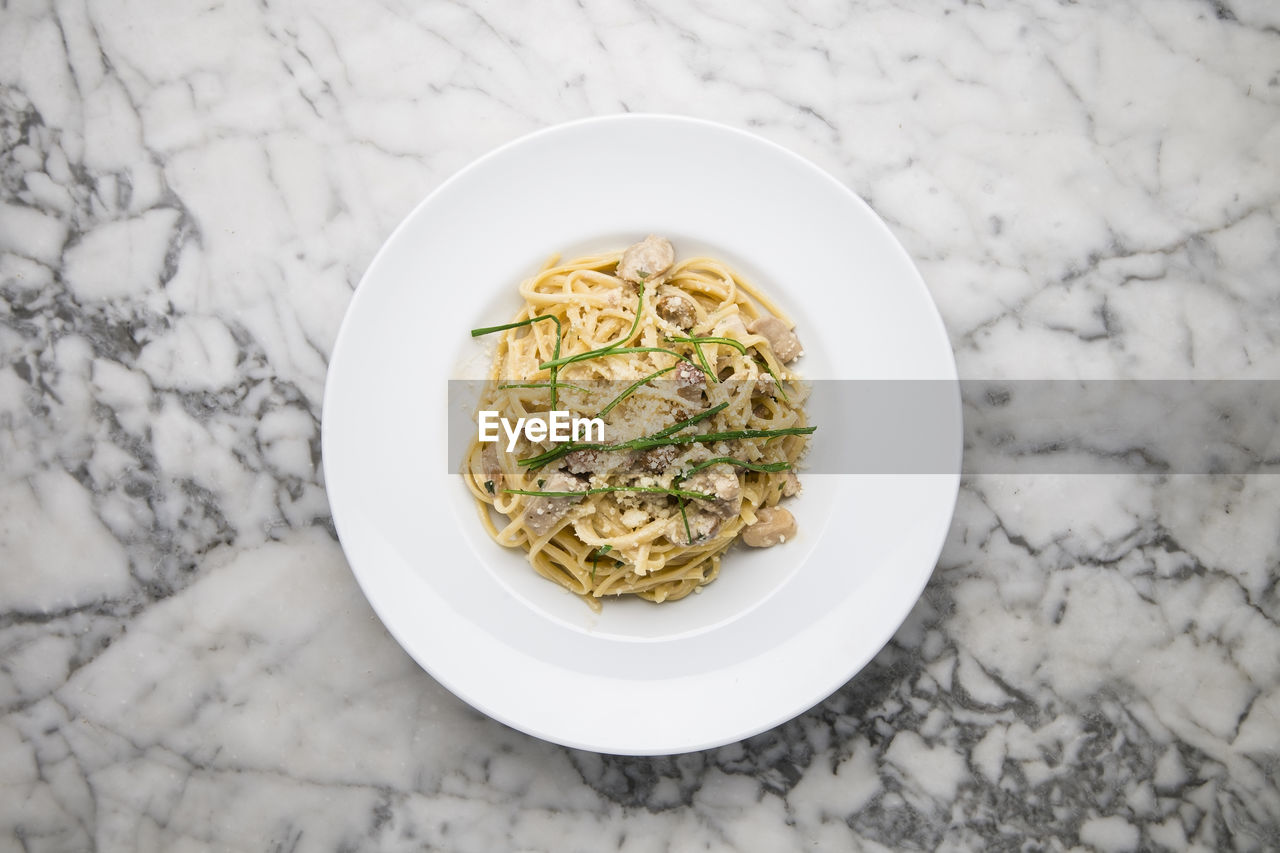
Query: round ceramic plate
{"x": 781, "y": 628}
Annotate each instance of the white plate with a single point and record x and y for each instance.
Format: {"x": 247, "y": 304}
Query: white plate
{"x": 781, "y": 628}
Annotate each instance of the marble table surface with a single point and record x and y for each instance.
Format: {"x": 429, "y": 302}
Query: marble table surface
{"x": 1090, "y": 190}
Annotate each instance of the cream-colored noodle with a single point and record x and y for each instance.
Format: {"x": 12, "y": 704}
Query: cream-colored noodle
{"x": 593, "y": 551}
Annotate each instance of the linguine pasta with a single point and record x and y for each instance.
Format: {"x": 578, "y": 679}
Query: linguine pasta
{"x": 686, "y": 365}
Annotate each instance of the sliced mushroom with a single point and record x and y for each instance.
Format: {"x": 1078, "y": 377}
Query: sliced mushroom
{"x": 783, "y": 341}
{"x": 719, "y": 480}
{"x": 542, "y": 513}
{"x": 702, "y": 526}
{"x": 655, "y": 460}
{"x": 690, "y": 381}
{"x": 492, "y": 470}
{"x": 773, "y": 525}
{"x": 647, "y": 260}
{"x": 600, "y": 463}
{"x": 678, "y": 311}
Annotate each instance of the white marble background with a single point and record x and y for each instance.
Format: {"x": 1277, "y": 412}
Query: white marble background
{"x": 189, "y": 196}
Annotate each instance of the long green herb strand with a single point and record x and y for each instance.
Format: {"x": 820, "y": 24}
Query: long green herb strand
{"x": 765, "y": 467}
{"x": 569, "y": 447}
{"x": 601, "y": 353}
{"x": 546, "y": 385}
{"x": 632, "y": 389}
{"x": 600, "y": 490}
{"x": 616, "y": 348}
{"x": 475, "y": 333}
{"x": 776, "y": 381}
{"x": 688, "y": 534}
{"x": 688, "y": 422}
{"x": 733, "y": 435}
{"x": 647, "y": 442}
{"x": 635, "y": 324}
{"x": 706, "y": 365}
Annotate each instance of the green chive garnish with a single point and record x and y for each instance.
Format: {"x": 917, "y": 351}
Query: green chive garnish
{"x": 545, "y": 385}
{"x": 632, "y": 389}
{"x": 569, "y": 447}
{"x": 600, "y": 490}
{"x": 555, "y": 355}
{"x": 604, "y": 549}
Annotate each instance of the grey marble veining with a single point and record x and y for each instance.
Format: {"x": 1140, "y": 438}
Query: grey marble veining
{"x": 188, "y": 199}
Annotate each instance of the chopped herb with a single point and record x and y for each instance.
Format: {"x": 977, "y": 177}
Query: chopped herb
{"x": 596, "y": 555}
{"x": 664, "y": 437}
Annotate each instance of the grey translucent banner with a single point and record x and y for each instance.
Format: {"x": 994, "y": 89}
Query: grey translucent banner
{"x": 879, "y": 427}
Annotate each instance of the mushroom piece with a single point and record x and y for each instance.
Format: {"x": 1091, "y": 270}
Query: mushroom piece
{"x": 598, "y": 463}
{"x": 783, "y": 341}
{"x": 703, "y": 526}
{"x": 690, "y": 381}
{"x": 773, "y": 526}
{"x": 654, "y": 460}
{"x": 492, "y": 469}
{"x": 719, "y": 480}
{"x": 647, "y": 260}
{"x": 678, "y": 311}
{"x": 542, "y": 513}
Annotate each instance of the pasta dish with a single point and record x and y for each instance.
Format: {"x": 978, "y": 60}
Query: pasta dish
{"x": 691, "y": 421}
